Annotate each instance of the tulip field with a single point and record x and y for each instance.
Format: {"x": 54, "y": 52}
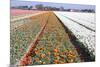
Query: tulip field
{"x": 40, "y": 37}
{"x": 23, "y": 32}
{"x": 82, "y": 25}
{"x": 54, "y": 46}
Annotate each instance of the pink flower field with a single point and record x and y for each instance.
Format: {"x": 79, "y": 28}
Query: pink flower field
{"x": 16, "y": 12}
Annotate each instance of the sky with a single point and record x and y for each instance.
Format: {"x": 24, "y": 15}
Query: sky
{"x": 90, "y": 2}
{"x": 65, "y": 5}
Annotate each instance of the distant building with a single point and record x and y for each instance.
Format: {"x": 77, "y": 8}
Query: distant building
{"x": 74, "y": 10}
{"x": 34, "y": 8}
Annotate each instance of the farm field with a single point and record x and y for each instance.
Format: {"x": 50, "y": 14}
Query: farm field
{"x": 39, "y": 37}
{"x": 54, "y": 46}
{"x": 82, "y": 25}
{"x": 17, "y": 12}
{"x": 23, "y": 32}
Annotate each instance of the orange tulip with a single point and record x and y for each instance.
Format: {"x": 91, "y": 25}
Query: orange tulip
{"x": 56, "y": 50}
{"x": 43, "y": 55}
{"x": 56, "y": 61}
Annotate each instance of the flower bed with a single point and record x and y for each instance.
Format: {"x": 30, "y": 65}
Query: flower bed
{"x": 23, "y": 32}
{"x": 54, "y": 46}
